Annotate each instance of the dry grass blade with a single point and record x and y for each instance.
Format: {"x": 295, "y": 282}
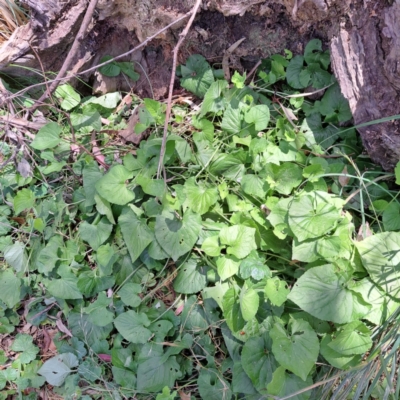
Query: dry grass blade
{"x": 11, "y": 17}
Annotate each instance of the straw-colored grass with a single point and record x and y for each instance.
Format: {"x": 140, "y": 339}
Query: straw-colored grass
{"x": 11, "y": 17}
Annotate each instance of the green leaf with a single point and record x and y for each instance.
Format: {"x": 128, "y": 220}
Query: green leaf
{"x": 106, "y": 257}
{"x": 316, "y": 133}
{"x": 197, "y": 75}
{"x": 254, "y": 266}
{"x": 199, "y": 195}
{"x": 259, "y": 116}
{"x": 311, "y": 215}
{"x": 333, "y": 102}
{"x": 300, "y": 343}
{"x": 47, "y": 137}
{"x": 228, "y": 165}
{"x": 10, "y": 288}
{"x": 70, "y": 98}
{"x": 124, "y": 377}
{"x": 104, "y": 208}
{"x": 254, "y": 185}
{"x": 112, "y": 186}
{"x": 177, "y": 237}
{"x": 216, "y": 292}
{"x": 241, "y": 383}
{"x": 276, "y": 291}
{"x": 377, "y": 298}
{"x": 132, "y": 326}
{"x": 166, "y": 394}
{"x": 91, "y": 174}
{"x": 283, "y": 178}
{"x": 56, "y": 369}
{"x": 240, "y": 239}
{"x": 259, "y": 362}
{"x": 98, "y": 311}
{"x": 313, "y": 53}
{"x": 190, "y": 279}
{"x": 129, "y": 294}
{"x": 283, "y": 385}
{"x": 231, "y": 121}
{"x": 90, "y": 370}
{"x": 153, "y": 187}
{"x": 112, "y": 69}
{"x": 353, "y": 338}
{"x": 206, "y": 127}
{"x": 65, "y": 288}
{"x": 238, "y": 80}
{"x": 213, "y": 101}
{"x": 295, "y": 67}
{"x": 48, "y": 257}
{"x": 212, "y": 386}
{"x": 128, "y": 69}
{"x": 95, "y": 235}
{"x": 5, "y": 328}
{"x": 336, "y": 359}
{"x": 89, "y": 283}
{"x": 81, "y": 326}
{"x": 324, "y": 295}
{"x": 391, "y": 217}
{"x": 157, "y": 372}
{"x": 23, "y": 343}
{"x": 90, "y": 120}
{"x": 16, "y": 256}
{"x": 136, "y": 233}
{"x": 381, "y": 258}
{"x": 397, "y": 173}
{"x": 211, "y": 246}
{"x": 232, "y": 311}
{"x": 10, "y": 375}
{"x": 319, "y": 77}
{"x": 249, "y": 302}
{"x": 227, "y": 266}
{"x": 25, "y": 199}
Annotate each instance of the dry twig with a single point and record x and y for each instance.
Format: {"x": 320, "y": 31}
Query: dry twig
{"x": 171, "y": 85}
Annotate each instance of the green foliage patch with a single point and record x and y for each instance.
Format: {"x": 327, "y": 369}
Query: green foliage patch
{"x": 267, "y": 256}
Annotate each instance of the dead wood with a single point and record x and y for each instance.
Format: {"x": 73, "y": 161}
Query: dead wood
{"x": 71, "y": 55}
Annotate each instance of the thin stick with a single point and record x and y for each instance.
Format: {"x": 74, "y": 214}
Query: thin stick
{"x": 171, "y": 86}
{"x": 72, "y": 53}
{"x": 149, "y": 39}
{"x": 254, "y": 69}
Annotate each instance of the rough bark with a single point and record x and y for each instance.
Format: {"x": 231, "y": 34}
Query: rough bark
{"x": 366, "y": 60}
{"x": 364, "y": 37}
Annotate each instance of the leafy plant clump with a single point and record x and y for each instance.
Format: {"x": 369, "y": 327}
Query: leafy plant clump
{"x": 266, "y": 256}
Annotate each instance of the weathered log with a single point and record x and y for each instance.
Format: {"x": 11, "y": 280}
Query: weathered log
{"x": 366, "y": 60}
{"x": 363, "y": 36}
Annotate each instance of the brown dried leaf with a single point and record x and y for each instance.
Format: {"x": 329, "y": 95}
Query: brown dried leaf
{"x": 129, "y": 134}
{"x": 363, "y": 232}
{"x": 61, "y": 327}
{"x": 183, "y": 395}
{"x": 344, "y": 179}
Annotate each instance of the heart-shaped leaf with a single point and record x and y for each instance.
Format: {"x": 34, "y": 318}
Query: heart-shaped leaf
{"x": 175, "y": 236}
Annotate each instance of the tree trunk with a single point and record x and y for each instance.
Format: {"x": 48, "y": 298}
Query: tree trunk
{"x": 363, "y": 36}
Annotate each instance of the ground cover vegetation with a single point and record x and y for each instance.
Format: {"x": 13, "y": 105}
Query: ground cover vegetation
{"x": 263, "y": 263}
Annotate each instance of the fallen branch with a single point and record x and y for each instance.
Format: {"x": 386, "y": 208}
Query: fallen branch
{"x": 149, "y": 39}
{"x": 72, "y": 53}
{"x": 8, "y": 119}
{"x": 171, "y": 86}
